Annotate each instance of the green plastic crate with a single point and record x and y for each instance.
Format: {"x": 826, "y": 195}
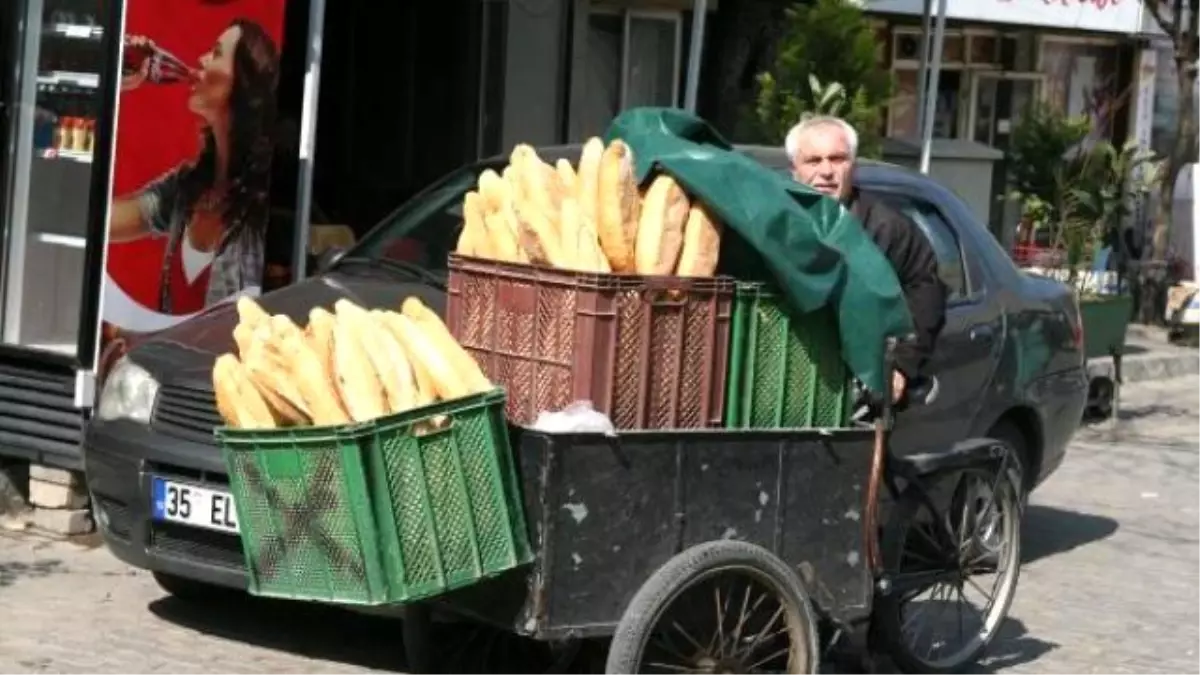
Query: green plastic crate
{"x": 785, "y": 370}
{"x": 377, "y": 513}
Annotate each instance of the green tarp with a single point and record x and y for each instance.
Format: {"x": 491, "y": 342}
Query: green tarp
{"x": 812, "y": 247}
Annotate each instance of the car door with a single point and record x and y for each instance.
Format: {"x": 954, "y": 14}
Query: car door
{"x": 965, "y": 355}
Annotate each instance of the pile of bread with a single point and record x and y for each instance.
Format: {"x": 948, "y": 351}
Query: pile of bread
{"x": 590, "y": 219}
{"x": 349, "y": 365}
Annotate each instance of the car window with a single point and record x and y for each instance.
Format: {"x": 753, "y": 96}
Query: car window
{"x": 425, "y": 229}
{"x": 942, "y": 237}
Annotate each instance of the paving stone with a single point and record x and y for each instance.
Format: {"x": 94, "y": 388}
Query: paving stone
{"x": 66, "y": 522}
{"x": 55, "y": 496}
{"x": 55, "y": 475}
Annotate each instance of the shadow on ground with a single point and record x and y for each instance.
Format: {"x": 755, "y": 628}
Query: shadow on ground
{"x": 344, "y": 636}
{"x": 12, "y": 572}
{"x": 1050, "y": 531}
{"x": 307, "y": 629}
{"x": 1012, "y": 647}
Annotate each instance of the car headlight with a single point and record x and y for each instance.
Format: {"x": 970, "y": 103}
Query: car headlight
{"x": 128, "y": 393}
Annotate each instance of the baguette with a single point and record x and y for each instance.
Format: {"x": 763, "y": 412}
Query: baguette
{"x": 618, "y": 205}
{"x": 239, "y": 403}
{"x": 399, "y": 381}
{"x": 701, "y": 244}
{"x": 356, "y": 376}
{"x": 319, "y": 335}
{"x": 567, "y": 177}
{"x": 660, "y": 230}
{"x": 250, "y": 312}
{"x": 540, "y": 183}
{"x": 243, "y": 335}
{"x": 473, "y": 240}
{"x": 581, "y": 240}
{"x": 500, "y": 218}
{"x": 446, "y": 384}
{"x": 271, "y": 375}
{"x": 538, "y": 236}
{"x": 315, "y": 379}
{"x": 462, "y": 363}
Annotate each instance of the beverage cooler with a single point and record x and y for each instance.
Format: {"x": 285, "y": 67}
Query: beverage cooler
{"x": 56, "y": 111}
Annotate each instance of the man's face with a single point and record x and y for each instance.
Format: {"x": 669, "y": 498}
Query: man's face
{"x": 823, "y": 161}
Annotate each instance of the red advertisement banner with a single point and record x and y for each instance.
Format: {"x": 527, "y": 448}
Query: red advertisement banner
{"x": 191, "y": 175}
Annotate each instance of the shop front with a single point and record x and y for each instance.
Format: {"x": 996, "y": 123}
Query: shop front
{"x": 998, "y": 57}
{"x": 56, "y": 112}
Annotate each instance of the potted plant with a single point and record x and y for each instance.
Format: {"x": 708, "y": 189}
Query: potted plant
{"x": 1078, "y": 198}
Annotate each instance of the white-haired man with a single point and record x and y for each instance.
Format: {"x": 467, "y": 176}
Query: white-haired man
{"x": 823, "y": 151}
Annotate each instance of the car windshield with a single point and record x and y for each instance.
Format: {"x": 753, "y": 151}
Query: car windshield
{"x": 425, "y": 229}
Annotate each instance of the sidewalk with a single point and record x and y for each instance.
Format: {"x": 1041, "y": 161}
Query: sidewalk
{"x": 1149, "y": 356}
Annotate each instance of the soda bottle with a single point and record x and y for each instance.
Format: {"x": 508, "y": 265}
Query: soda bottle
{"x": 157, "y": 65}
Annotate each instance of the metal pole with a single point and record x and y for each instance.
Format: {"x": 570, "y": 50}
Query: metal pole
{"x": 923, "y": 71}
{"x": 695, "y": 49}
{"x": 308, "y": 143}
{"x": 935, "y": 69}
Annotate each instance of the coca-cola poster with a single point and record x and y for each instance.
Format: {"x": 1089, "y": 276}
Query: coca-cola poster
{"x": 191, "y": 174}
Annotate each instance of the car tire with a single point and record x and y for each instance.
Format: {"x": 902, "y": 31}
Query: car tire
{"x": 1014, "y": 438}
{"x": 190, "y": 590}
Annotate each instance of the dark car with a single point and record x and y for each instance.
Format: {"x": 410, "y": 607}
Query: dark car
{"x": 1009, "y": 365}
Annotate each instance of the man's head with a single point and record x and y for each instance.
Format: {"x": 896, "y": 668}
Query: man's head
{"x": 822, "y": 150}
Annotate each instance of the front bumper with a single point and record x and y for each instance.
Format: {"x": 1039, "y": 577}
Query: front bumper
{"x": 120, "y": 457}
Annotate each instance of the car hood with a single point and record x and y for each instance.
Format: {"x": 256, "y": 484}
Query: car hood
{"x": 184, "y": 354}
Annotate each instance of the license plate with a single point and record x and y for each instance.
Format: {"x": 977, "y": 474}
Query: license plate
{"x": 193, "y": 505}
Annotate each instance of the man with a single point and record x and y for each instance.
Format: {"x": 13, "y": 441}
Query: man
{"x": 823, "y": 151}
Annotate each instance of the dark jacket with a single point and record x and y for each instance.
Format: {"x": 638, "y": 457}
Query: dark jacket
{"x": 915, "y": 262}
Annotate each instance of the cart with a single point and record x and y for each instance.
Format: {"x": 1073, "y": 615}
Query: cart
{"x": 753, "y": 551}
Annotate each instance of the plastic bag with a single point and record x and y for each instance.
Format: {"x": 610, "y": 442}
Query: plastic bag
{"x": 579, "y": 417}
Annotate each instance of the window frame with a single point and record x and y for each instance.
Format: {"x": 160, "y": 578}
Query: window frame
{"x": 973, "y": 280}
{"x": 674, "y": 17}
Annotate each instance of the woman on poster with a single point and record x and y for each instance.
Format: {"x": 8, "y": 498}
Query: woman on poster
{"x": 213, "y": 209}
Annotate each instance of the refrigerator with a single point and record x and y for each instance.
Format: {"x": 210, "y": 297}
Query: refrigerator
{"x": 57, "y": 106}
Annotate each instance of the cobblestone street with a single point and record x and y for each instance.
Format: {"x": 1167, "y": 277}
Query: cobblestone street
{"x": 1109, "y": 585}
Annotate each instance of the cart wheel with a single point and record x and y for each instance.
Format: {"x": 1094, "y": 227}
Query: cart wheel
{"x": 720, "y": 607}
{"x": 951, "y": 575}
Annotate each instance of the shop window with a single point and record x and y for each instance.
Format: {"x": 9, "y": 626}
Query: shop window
{"x": 904, "y": 110}
{"x": 633, "y": 60}
{"x": 906, "y": 48}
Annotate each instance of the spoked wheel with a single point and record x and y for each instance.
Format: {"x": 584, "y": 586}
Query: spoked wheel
{"x": 952, "y": 560}
{"x": 720, "y": 607}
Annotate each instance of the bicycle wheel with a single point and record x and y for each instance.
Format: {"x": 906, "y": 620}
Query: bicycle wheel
{"x": 720, "y": 607}
{"x": 940, "y": 559}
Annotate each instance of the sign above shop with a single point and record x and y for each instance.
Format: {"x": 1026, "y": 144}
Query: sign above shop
{"x": 1105, "y": 16}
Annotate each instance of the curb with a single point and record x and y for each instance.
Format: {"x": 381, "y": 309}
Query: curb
{"x": 1145, "y": 367}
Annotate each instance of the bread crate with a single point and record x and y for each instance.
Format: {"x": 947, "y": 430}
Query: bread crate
{"x": 786, "y": 370}
{"x": 379, "y": 512}
{"x": 649, "y": 352}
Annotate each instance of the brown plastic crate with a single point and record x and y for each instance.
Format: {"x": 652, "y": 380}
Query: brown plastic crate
{"x": 650, "y": 352}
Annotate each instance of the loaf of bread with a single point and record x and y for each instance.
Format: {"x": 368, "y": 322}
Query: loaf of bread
{"x": 445, "y": 382}
{"x": 618, "y": 206}
{"x": 270, "y": 373}
{"x": 358, "y": 383}
{"x": 660, "y": 230}
{"x": 250, "y": 312}
{"x": 314, "y": 377}
{"x": 238, "y": 401}
{"x": 701, "y": 244}
{"x": 500, "y": 217}
{"x": 394, "y": 367}
{"x": 430, "y": 323}
{"x": 474, "y": 240}
{"x": 566, "y": 177}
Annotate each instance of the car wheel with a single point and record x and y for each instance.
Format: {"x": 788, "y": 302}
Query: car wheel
{"x": 190, "y": 590}
{"x": 1015, "y": 439}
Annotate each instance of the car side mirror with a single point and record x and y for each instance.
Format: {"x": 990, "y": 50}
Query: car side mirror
{"x": 329, "y": 257}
